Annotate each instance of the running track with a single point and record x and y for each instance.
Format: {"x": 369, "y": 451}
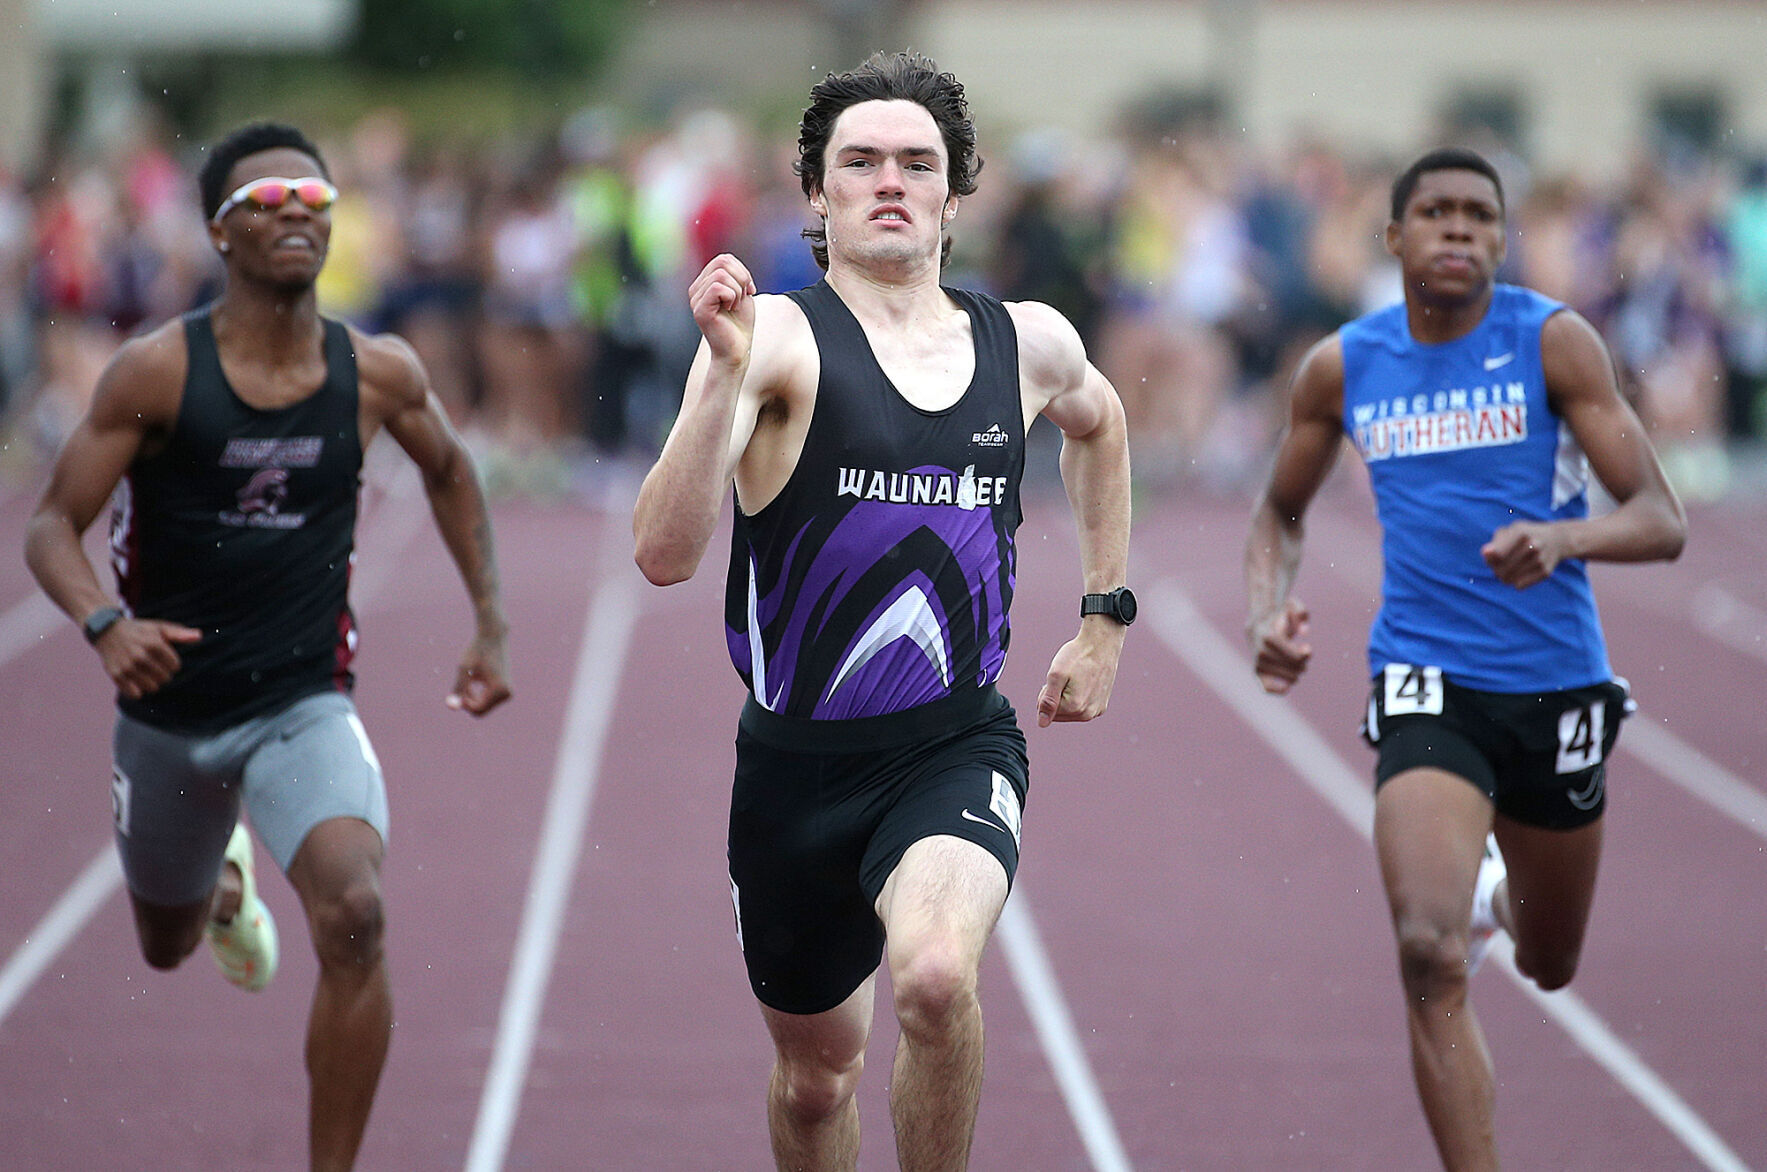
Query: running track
{"x": 1194, "y": 973}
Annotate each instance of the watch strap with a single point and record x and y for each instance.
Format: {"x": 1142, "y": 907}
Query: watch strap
{"x": 1095, "y": 604}
{"x": 100, "y": 621}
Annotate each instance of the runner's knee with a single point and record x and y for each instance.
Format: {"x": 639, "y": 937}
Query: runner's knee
{"x": 1432, "y": 961}
{"x": 348, "y": 927}
{"x": 165, "y": 952}
{"x": 168, "y": 935}
{"x": 1549, "y": 968}
{"x": 813, "y": 1089}
{"x": 933, "y": 987}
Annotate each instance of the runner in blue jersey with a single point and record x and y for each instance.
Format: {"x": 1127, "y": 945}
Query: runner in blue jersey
{"x": 1479, "y": 410}
{"x": 236, "y": 434}
{"x": 873, "y": 427}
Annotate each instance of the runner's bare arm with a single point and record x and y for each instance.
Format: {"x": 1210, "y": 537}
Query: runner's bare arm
{"x": 135, "y": 402}
{"x": 1060, "y": 384}
{"x": 730, "y": 382}
{"x": 1277, "y": 621}
{"x": 1648, "y": 523}
{"x": 397, "y": 395}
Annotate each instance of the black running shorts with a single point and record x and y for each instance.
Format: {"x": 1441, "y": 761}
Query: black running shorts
{"x": 1541, "y": 757}
{"x": 821, "y": 813}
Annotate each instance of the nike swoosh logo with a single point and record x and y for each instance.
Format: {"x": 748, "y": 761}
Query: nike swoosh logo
{"x": 1499, "y": 360}
{"x": 1588, "y": 796}
{"x": 989, "y": 822}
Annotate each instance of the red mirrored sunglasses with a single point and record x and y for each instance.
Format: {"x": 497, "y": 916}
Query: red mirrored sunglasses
{"x": 270, "y": 193}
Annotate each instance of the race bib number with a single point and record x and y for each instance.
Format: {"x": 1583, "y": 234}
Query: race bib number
{"x": 1580, "y": 735}
{"x": 1411, "y": 690}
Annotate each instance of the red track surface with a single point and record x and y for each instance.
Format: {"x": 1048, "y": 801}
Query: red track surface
{"x": 1215, "y": 927}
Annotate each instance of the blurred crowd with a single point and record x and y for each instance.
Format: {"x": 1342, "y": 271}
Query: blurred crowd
{"x": 543, "y": 278}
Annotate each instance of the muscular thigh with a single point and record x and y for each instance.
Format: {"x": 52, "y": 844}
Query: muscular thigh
{"x": 807, "y": 933}
{"x": 174, "y": 801}
{"x": 314, "y": 763}
{"x": 972, "y": 788}
{"x": 814, "y": 837}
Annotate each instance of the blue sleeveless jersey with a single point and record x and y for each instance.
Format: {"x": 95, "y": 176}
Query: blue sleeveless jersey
{"x": 1460, "y": 440}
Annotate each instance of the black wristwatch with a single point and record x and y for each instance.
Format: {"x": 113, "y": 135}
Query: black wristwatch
{"x": 100, "y": 621}
{"x": 1119, "y": 604}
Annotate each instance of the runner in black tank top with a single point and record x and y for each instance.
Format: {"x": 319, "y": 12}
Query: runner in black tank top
{"x": 236, "y": 437}
{"x": 243, "y": 526}
{"x": 882, "y": 574}
{"x": 874, "y": 429}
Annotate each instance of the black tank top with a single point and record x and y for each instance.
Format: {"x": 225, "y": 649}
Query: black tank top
{"x": 879, "y": 579}
{"x": 243, "y": 527}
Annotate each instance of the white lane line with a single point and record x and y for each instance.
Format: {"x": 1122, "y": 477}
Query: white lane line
{"x": 1696, "y": 773}
{"x": 1043, "y": 999}
{"x": 81, "y": 901}
{"x": 76, "y": 906}
{"x": 1214, "y": 661}
{"x": 1621, "y": 1061}
{"x": 1729, "y": 620}
{"x": 601, "y": 658}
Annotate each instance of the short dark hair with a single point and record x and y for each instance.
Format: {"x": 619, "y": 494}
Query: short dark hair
{"x": 248, "y": 140}
{"x": 1442, "y": 159}
{"x": 886, "y": 77}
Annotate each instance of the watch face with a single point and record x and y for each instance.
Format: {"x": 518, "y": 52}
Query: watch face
{"x": 100, "y": 621}
{"x": 1126, "y": 605}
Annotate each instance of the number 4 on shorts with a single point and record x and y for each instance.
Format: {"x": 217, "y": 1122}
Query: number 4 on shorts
{"x": 1579, "y": 737}
{"x": 1411, "y": 690}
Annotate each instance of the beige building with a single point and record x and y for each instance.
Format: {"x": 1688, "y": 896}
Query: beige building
{"x": 1580, "y": 81}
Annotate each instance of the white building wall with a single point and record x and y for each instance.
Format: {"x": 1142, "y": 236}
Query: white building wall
{"x": 1365, "y": 72}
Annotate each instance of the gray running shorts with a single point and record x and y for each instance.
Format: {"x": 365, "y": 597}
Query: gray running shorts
{"x": 176, "y": 797}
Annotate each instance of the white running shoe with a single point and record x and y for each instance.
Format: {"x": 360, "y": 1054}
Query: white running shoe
{"x": 245, "y": 947}
{"x": 1484, "y": 926}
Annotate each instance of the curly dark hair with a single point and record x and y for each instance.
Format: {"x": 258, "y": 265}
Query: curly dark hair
{"x": 248, "y": 140}
{"x": 1441, "y": 159}
{"x": 885, "y": 77}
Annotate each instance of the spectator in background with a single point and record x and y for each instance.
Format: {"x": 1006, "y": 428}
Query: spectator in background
{"x": 782, "y": 263}
{"x": 1661, "y": 316}
{"x": 1350, "y": 268}
{"x": 1282, "y": 312}
{"x": 1181, "y": 254}
{"x": 1040, "y": 250}
{"x": 604, "y": 271}
{"x": 531, "y": 342}
{"x": 1558, "y": 249}
{"x": 1745, "y": 326}
{"x": 432, "y": 297}
{"x": 371, "y": 162}
{"x": 17, "y": 346}
{"x": 1158, "y": 226}
{"x": 78, "y": 214}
